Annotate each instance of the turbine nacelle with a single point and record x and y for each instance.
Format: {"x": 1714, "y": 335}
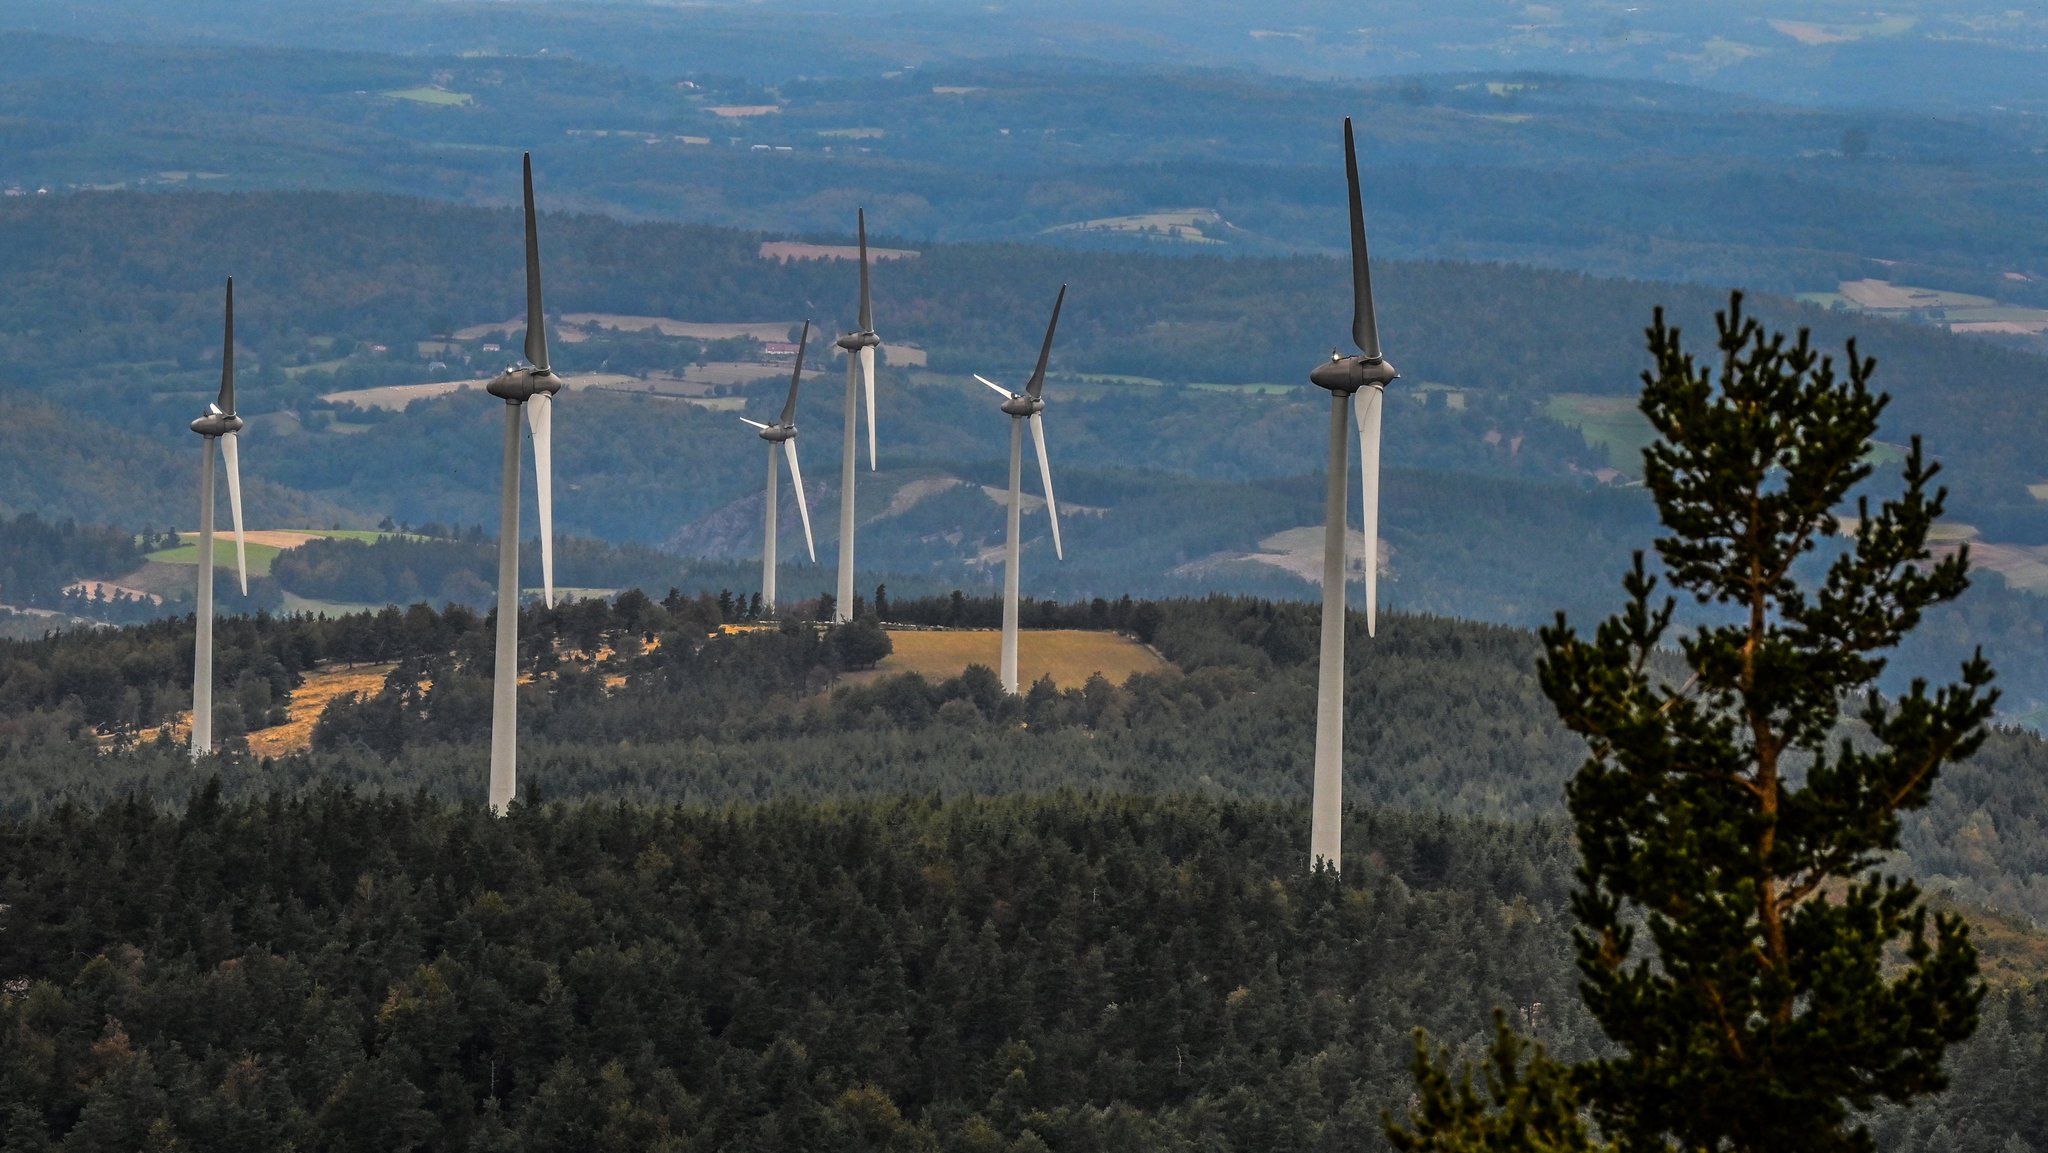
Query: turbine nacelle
{"x": 777, "y": 433}
{"x": 519, "y": 385}
{"x": 855, "y": 341}
{"x": 1022, "y": 406}
{"x": 1348, "y": 374}
{"x": 217, "y": 423}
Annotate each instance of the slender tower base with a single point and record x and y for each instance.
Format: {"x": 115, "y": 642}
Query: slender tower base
{"x": 1011, "y": 557}
{"x": 768, "y": 542}
{"x": 842, "y": 608}
{"x": 1326, "y": 823}
{"x": 202, "y": 648}
{"x": 505, "y": 675}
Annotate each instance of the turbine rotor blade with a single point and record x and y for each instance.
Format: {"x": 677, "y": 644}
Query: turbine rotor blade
{"x": 755, "y": 423}
{"x": 803, "y": 503}
{"x": 789, "y": 406}
{"x": 867, "y": 312}
{"x": 226, "y": 403}
{"x": 1365, "y": 328}
{"x": 540, "y": 420}
{"x": 1007, "y": 394}
{"x": 229, "y": 452}
{"x": 1052, "y": 508}
{"x": 867, "y": 375}
{"x": 1368, "y": 407}
{"x": 1037, "y": 382}
{"x": 536, "y": 325}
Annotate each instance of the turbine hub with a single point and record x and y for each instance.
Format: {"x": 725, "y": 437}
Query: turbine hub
{"x": 1348, "y": 374}
{"x": 855, "y": 341}
{"x": 777, "y": 433}
{"x": 217, "y": 424}
{"x": 518, "y": 385}
{"x": 1024, "y": 404}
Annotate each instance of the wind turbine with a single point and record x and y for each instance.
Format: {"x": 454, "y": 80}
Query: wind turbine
{"x": 1028, "y": 406}
{"x": 1345, "y": 377}
{"x": 220, "y": 423}
{"x": 783, "y": 432}
{"x": 533, "y": 388}
{"x": 859, "y": 346}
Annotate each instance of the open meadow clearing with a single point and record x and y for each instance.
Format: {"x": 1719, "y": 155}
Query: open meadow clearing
{"x": 1192, "y": 225}
{"x": 398, "y": 397}
{"x": 321, "y": 688}
{"x": 1611, "y": 423}
{"x": 431, "y": 94}
{"x": 783, "y": 251}
{"x": 1068, "y": 656}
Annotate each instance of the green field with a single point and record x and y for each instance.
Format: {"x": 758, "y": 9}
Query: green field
{"x": 1611, "y": 423}
{"x": 429, "y": 95}
{"x": 260, "y": 555}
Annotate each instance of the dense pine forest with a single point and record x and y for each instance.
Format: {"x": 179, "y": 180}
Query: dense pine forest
{"x": 748, "y": 906}
{"x": 343, "y": 971}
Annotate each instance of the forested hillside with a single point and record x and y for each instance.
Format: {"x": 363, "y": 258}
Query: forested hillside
{"x": 1062, "y": 973}
{"x": 1445, "y": 716}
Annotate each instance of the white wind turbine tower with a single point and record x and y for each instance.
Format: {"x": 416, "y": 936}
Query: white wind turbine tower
{"x": 783, "y": 432}
{"x": 860, "y": 347}
{"x": 1346, "y": 377}
{"x": 1028, "y": 406}
{"x": 220, "y": 423}
{"x": 533, "y": 388}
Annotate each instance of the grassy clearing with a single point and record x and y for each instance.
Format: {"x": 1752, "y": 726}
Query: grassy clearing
{"x": 428, "y": 94}
{"x": 294, "y": 603}
{"x": 264, "y": 545}
{"x": 311, "y": 699}
{"x": 1189, "y": 225}
{"x": 1069, "y": 656}
{"x": 295, "y": 371}
{"x": 1249, "y": 389}
{"x": 187, "y": 554}
{"x": 1611, "y": 423}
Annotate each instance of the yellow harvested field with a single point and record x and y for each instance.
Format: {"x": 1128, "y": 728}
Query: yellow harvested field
{"x": 109, "y": 590}
{"x": 308, "y": 701}
{"x": 783, "y": 251}
{"x": 1069, "y": 656}
{"x": 742, "y": 111}
{"x": 398, "y": 397}
{"x": 1810, "y": 33}
{"x": 2005, "y": 327}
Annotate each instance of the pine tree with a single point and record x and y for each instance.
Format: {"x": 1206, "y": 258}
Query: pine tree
{"x": 1736, "y": 818}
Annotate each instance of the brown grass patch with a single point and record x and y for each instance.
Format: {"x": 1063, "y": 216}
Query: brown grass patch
{"x": 1069, "y": 656}
{"x": 308, "y": 701}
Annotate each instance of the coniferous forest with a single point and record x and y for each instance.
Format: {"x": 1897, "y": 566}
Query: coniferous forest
{"x": 742, "y": 908}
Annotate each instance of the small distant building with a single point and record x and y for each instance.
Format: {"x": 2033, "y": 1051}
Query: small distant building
{"x": 380, "y": 348}
{"x": 778, "y": 348}
{"x": 490, "y": 348}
